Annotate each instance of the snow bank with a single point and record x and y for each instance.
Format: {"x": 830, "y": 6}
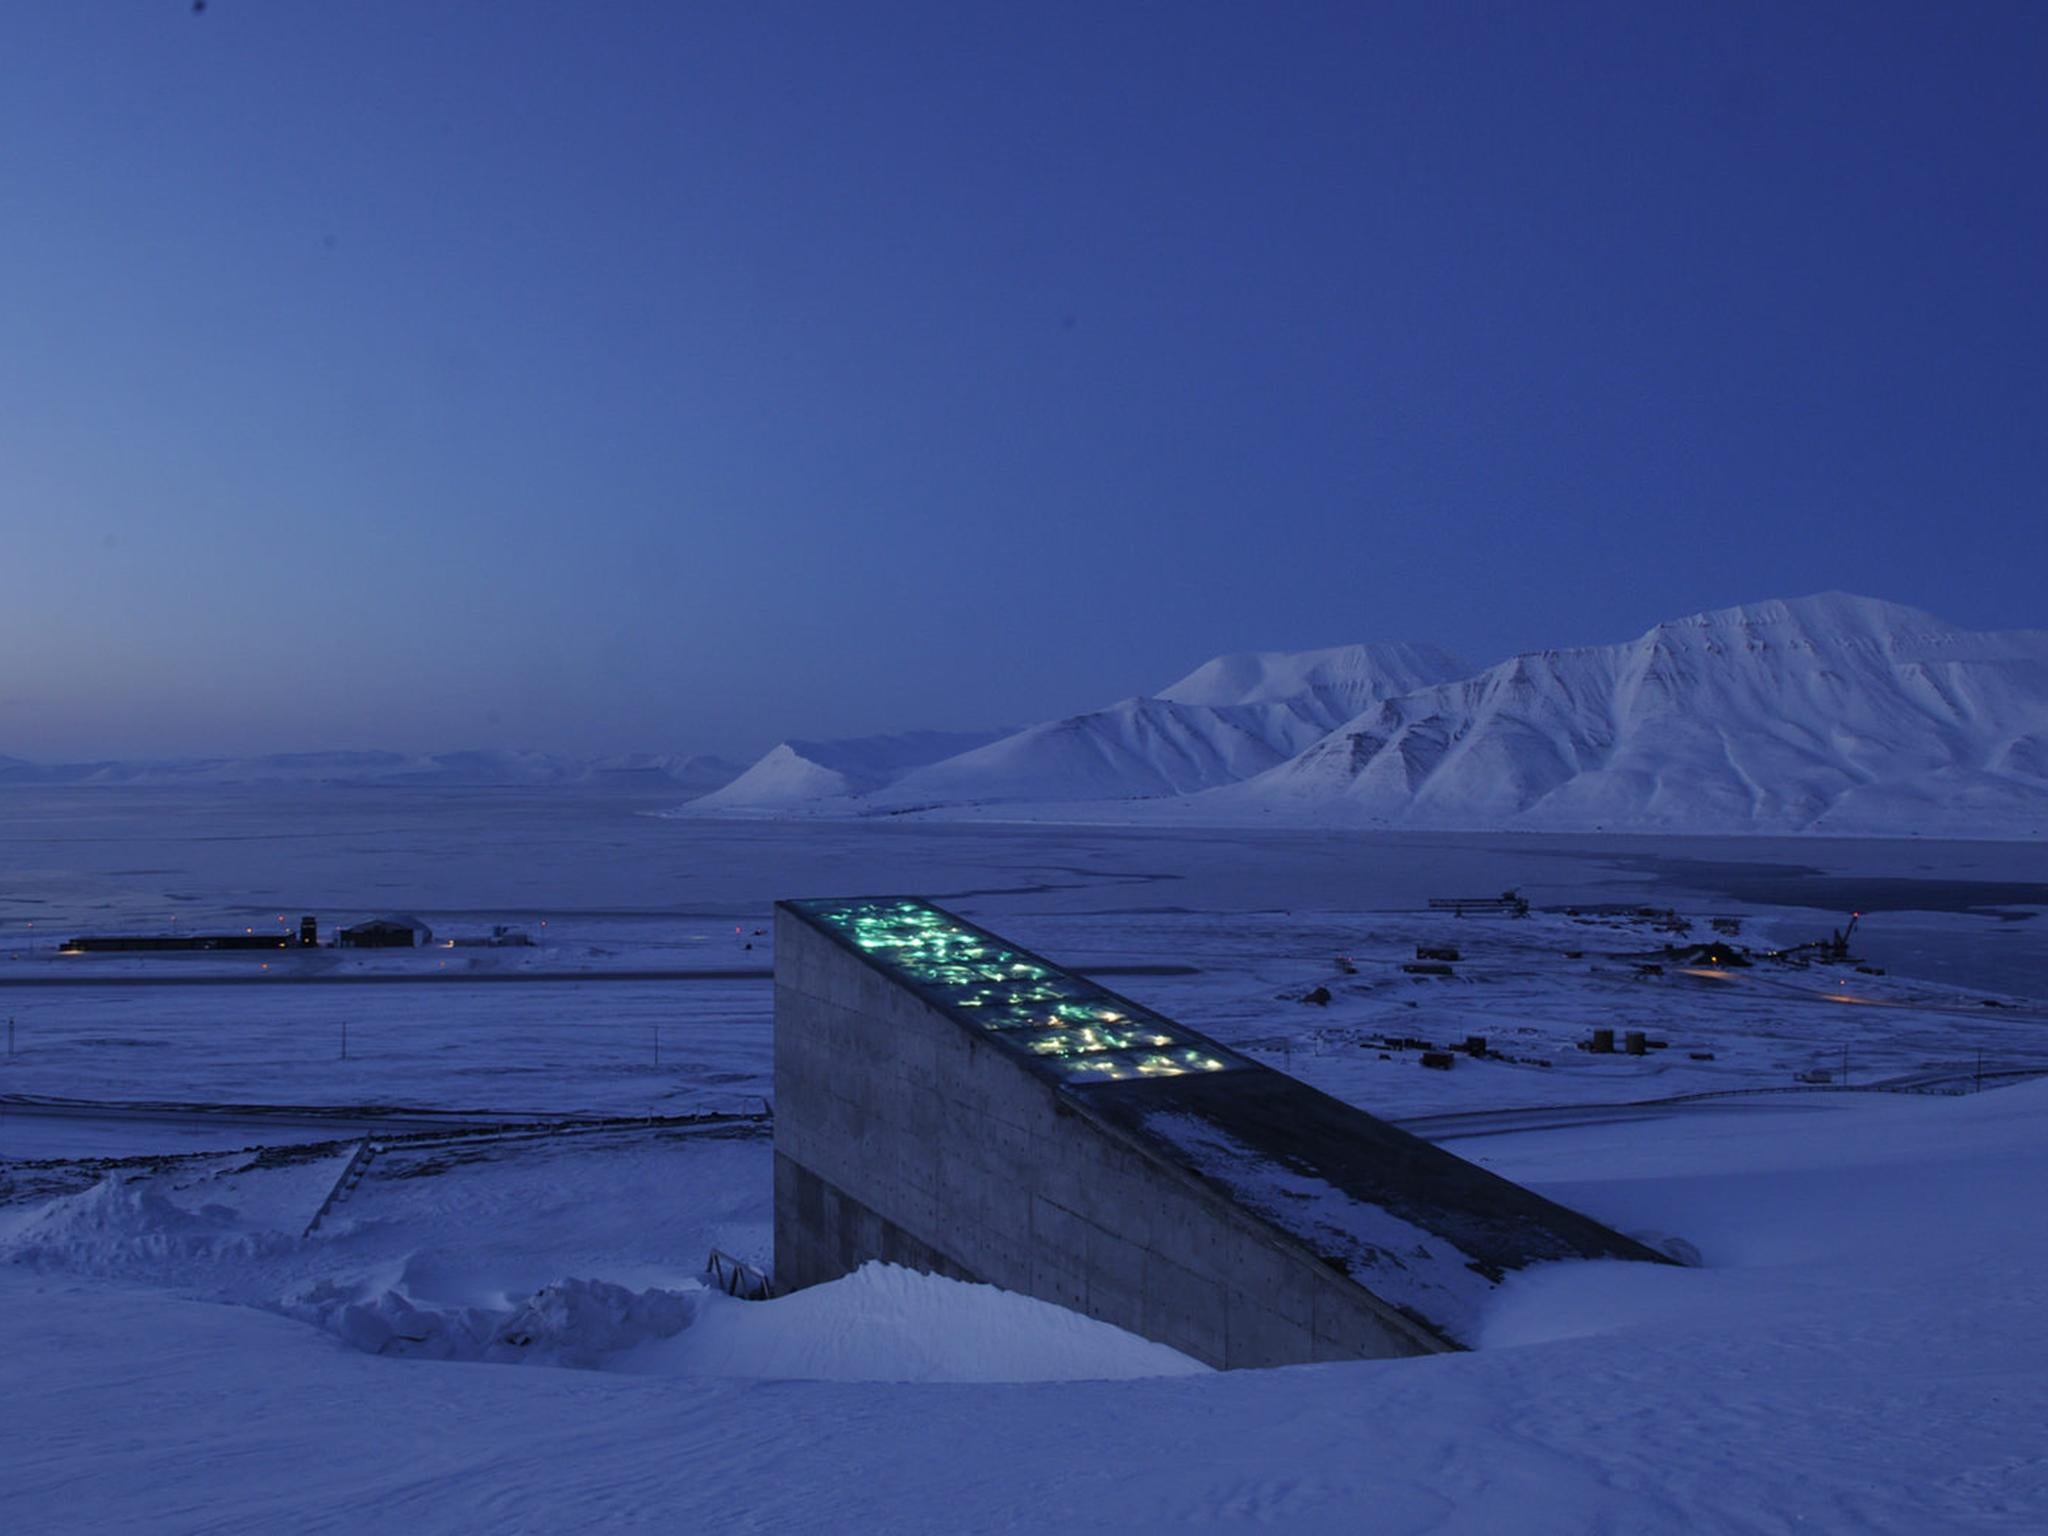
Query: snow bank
{"x": 126, "y": 1226}
{"x": 578, "y": 1323}
{"x": 880, "y": 1324}
{"x": 883, "y": 1323}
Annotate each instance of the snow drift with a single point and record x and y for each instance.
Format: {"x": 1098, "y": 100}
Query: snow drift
{"x": 880, "y": 1323}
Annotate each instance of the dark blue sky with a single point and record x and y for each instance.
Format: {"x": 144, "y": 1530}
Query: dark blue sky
{"x": 681, "y": 377}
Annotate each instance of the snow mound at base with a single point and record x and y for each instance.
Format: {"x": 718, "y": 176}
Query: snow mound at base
{"x": 125, "y": 1226}
{"x": 579, "y": 1322}
{"x": 883, "y": 1323}
{"x": 576, "y": 1323}
{"x": 879, "y": 1324}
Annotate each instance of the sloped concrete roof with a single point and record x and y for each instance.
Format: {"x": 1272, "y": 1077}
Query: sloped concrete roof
{"x": 1422, "y": 1229}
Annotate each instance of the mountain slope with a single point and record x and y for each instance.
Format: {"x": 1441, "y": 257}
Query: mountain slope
{"x": 1334, "y": 684}
{"x": 1832, "y": 713}
{"x": 1230, "y": 718}
{"x": 1135, "y": 748}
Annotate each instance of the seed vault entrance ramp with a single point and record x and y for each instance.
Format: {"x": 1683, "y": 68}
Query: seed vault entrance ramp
{"x": 950, "y": 1102}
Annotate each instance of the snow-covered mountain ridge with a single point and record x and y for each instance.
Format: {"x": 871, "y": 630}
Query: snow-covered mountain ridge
{"x": 1831, "y": 714}
{"x": 1229, "y": 719}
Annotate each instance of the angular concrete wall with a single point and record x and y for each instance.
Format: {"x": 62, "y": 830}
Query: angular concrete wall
{"x": 906, "y": 1133}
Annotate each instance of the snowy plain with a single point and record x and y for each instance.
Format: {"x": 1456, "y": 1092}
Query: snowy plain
{"x": 512, "y": 1331}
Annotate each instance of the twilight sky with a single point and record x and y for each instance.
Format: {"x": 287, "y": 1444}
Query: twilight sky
{"x": 676, "y": 376}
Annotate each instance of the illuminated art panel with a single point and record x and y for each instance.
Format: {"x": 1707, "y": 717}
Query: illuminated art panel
{"x": 1083, "y": 1032}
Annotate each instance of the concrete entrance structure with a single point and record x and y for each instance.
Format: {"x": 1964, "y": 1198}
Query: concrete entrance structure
{"x": 947, "y": 1101}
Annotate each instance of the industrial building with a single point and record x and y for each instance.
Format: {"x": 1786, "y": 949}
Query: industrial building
{"x": 386, "y": 933}
{"x": 948, "y": 1101}
{"x": 156, "y": 943}
{"x": 161, "y": 943}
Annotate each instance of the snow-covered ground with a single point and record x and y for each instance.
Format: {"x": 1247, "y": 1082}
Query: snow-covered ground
{"x": 1534, "y": 990}
{"x": 502, "y": 1327}
{"x": 1863, "y": 1350}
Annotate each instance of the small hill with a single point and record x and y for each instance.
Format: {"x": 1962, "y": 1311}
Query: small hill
{"x": 799, "y": 775}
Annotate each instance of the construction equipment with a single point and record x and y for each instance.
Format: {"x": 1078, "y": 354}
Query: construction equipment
{"x": 1832, "y": 950}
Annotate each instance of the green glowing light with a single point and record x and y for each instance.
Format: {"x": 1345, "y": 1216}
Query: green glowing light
{"x": 1049, "y": 1014}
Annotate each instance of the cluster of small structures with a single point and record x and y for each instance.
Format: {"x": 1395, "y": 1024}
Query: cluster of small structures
{"x": 1438, "y": 962}
{"x": 1634, "y": 1042}
{"x": 1441, "y": 1057}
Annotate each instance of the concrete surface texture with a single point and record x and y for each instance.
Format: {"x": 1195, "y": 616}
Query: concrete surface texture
{"x": 1191, "y": 1196}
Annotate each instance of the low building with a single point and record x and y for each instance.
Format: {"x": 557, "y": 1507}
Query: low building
{"x": 386, "y": 933}
{"x": 158, "y": 943}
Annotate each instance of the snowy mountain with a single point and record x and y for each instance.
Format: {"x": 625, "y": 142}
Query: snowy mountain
{"x": 1333, "y": 684}
{"x": 1230, "y": 718}
{"x": 1136, "y": 747}
{"x": 1832, "y": 713}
